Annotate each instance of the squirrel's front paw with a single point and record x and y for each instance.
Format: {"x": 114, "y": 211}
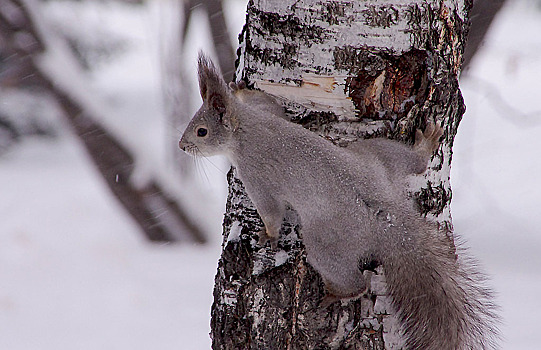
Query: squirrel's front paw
{"x": 265, "y": 236}
{"x": 429, "y": 140}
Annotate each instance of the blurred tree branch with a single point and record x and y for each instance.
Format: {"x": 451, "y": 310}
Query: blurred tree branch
{"x": 159, "y": 216}
{"x": 177, "y": 18}
{"x": 219, "y": 31}
{"x": 482, "y": 15}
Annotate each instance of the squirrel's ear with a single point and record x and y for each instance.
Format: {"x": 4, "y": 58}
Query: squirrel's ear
{"x": 212, "y": 86}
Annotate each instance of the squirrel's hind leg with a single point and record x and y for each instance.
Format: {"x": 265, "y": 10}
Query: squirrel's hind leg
{"x": 272, "y": 213}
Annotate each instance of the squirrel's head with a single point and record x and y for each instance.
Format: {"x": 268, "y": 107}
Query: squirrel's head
{"x": 210, "y": 130}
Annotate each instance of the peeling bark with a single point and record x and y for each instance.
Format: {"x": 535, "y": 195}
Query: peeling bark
{"x": 346, "y": 70}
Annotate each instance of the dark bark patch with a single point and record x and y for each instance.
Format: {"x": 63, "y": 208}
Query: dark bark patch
{"x": 433, "y": 199}
{"x": 369, "y": 264}
{"x": 315, "y": 120}
{"x": 352, "y": 60}
{"x": 380, "y": 16}
{"x": 334, "y": 12}
{"x": 419, "y": 18}
{"x": 281, "y": 57}
{"x": 286, "y": 32}
{"x": 387, "y": 91}
{"x": 289, "y": 26}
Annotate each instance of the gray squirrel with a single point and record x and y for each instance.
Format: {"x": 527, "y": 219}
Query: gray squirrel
{"x": 354, "y": 211}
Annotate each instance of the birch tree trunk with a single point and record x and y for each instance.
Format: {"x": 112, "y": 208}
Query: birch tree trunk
{"x": 346, "y": 70}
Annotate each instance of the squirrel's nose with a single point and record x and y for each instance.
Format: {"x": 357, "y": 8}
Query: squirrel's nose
{"x": 181, "y": 145}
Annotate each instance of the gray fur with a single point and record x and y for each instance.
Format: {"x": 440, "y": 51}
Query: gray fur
{"x": 353, "y": 210}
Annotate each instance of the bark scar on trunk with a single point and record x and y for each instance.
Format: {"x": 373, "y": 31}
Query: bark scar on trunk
{"x": 388, "y": 93}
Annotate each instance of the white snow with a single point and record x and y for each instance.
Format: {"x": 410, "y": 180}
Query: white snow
{"x": 75, "y": 273}
{"x": 234, "y": 232}
{"x": 496, "y": 168}
{"x": 280, "y": 258}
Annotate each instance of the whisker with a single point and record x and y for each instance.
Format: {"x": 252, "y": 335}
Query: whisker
{"x": 173, "y": 126}
{"x": 197, "y": 156}
{"x": 200, "y": 155}
{"x": 215, "y": 166}
{"x": 207, "y": 158}
{"x": 195, "y": 153}
{"x": 203, "y": 171}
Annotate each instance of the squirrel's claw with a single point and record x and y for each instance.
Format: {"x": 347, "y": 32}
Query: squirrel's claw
{"x": 265, "y": 237}
{"x": 429, "y": 140}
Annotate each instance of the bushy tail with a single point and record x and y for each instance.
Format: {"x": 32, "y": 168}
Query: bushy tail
{"x": 441, "y": 299}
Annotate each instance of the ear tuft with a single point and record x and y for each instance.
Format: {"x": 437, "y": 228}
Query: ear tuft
{"x": 203, "y": 67}
{"x": 211, "y": 82}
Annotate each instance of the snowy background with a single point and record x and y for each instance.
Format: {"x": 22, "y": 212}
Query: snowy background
{"x": 75, "y": 272}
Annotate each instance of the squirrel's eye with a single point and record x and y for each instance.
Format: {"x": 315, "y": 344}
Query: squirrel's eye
{"x": 201, "y": 132}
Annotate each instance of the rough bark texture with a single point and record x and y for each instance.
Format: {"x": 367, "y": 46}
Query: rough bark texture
{"x": 344, "y": 69}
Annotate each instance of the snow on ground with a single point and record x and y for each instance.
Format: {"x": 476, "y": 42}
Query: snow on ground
{"x": 76, "y": 273}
